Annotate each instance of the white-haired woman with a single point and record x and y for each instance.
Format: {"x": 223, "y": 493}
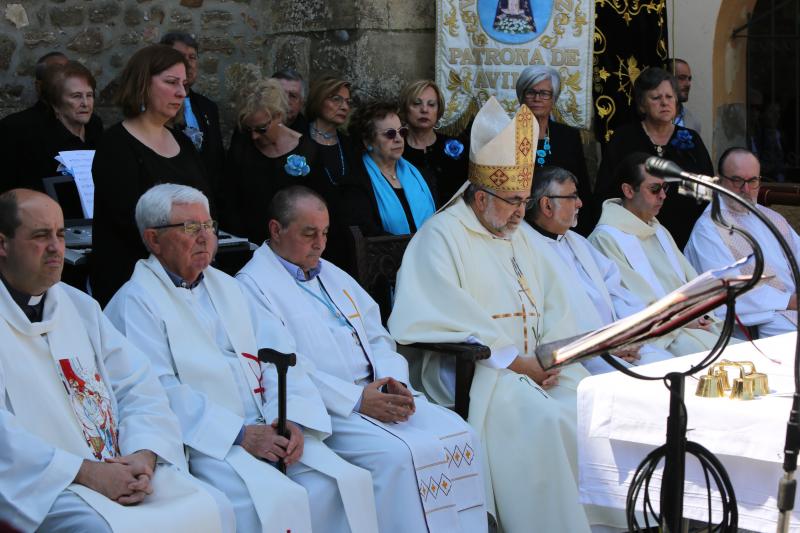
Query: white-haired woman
{"x": 559, "y": 145}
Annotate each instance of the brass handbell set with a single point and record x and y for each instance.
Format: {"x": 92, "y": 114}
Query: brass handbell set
{"x": 747, "y": 386}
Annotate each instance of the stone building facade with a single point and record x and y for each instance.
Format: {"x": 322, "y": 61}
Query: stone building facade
{"x": 377, "y": 44}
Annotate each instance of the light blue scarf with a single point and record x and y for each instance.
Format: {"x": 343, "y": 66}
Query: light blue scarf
{"x": 419, "y": 197}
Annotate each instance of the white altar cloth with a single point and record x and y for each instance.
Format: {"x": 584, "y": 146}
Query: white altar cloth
{"x": 622, "y": 419}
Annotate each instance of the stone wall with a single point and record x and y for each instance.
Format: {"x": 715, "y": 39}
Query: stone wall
{"x": 377, "y": 44}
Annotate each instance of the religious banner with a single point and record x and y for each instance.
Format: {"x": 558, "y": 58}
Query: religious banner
{"x": 629, "y": 36}
{"x": 482, "y": 46}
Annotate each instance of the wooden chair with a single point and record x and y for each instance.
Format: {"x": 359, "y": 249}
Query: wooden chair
{"x": 376, "y": 261}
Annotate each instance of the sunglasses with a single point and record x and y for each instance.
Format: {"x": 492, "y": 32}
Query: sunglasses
{"x": 391, "y": 133}
{"x": 261, "y": 130}
{"x": 658, "y": 187}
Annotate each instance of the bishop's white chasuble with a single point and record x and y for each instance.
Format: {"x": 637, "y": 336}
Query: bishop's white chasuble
{"x": 458, "y": 281}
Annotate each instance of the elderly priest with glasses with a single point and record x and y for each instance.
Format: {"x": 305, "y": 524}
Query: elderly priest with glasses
{"x": 469, "y": 274}
{"x": 87, "y": 440}
{"x": 192, "y": 321}
{"x": 772, "y": 306}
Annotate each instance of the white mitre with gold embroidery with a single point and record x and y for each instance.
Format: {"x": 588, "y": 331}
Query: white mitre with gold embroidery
{"x": 501, "y": 152}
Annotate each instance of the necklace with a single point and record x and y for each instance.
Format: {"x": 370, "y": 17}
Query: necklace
{"x": 319, "y": 133}
{"x": 542, "y": 154}
{"x": 659, "y": 148}
{"x": 341, "y": 161}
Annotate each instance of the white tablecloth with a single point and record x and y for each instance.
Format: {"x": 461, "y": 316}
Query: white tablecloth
{"x": 622, "y": 419}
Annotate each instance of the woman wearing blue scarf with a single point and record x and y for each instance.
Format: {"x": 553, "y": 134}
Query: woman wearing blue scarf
{"x": 386, "y": 194}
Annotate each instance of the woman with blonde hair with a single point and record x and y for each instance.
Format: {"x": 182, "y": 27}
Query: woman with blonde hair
{"x": 443, "y": 158}
{"x": 265, "y": 156}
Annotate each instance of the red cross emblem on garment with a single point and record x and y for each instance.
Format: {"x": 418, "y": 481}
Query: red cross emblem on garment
{"x": 256, "y": 371}
{"x": 498, "y": 177}
{"x": 525, "y": 146}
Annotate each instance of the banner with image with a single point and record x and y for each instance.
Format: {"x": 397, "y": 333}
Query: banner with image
{"x": 482, "y": 46}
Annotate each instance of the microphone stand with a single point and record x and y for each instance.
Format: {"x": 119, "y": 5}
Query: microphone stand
{"x": 787, "y": 485}
{"x": 674, "y": 451}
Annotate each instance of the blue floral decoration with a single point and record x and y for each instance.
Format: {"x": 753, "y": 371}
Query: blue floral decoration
{"x": 453, "y": 149}
{"x": 683, "y": 140}
{"x": 296, "y": 165}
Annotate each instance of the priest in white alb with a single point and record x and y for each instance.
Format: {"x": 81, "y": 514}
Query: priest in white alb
{"x": 193, "y": 322}
{"x": 772, "y": 306}
{"x": 590, "y": 280}
{"x": 426, "y": 465}
{"x": 649, "y": 261}
{"x": 469, "y": 275}
{"x": 87, "y": 439}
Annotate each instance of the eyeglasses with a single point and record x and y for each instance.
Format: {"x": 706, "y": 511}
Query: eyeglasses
{"x": 391, "y": 133}
{"x": 527, "y": 202}
{"x": 658, "y": 187}
{"x": 542, "y": 95}
{"x": 340, "y": 100}
{"x": 193, "y": 228}
{"x": 261, "y": 130}
{"x": 564, "y": 196}
{"x": 750, "y": 183}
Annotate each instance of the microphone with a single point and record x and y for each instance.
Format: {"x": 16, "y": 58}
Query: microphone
{"x": 688, "y": 182}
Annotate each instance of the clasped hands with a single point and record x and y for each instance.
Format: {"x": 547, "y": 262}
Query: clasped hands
{"x": 263, "y": 441}
{"x": 125, "y": 479}
{"x": 396, "y": 404}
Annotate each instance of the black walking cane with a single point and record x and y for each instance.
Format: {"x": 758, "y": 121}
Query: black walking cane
{"x": 282, "y": 362}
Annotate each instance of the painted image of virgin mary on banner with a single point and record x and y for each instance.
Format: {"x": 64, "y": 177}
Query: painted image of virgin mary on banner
{"x": 514, "y": 17}
{"x": 514, "y": 21}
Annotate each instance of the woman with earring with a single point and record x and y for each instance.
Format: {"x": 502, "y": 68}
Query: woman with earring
{"x": 559, "y": 145}
{"x": 134, "y": 155}
{"x": 68, "y": 92}
{"x": 386, "y": 194}
{"x": 444, "y": 158}
{"x": 655, "y": 96}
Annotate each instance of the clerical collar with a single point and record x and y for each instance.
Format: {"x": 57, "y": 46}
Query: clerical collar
{"x": 182, "y": 283}
{"x": 548, "y": 234}
{"x": 32, "y": 306}
{"x": 296, "y": 272}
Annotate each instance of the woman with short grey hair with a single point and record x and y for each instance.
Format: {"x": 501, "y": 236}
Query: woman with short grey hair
{"x": 539, "y": 87}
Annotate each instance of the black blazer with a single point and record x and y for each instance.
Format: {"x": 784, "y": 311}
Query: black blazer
{"x": 360, "y": 207}
{"x": 566, "y": 150}
{"x": 212, "y": 152}
{"x": 679, "y": 213}
{"x": 123, "y": 169}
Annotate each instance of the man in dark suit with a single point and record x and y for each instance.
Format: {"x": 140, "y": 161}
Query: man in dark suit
{"x": 18, "y": 128}
{"x": 295, "y": 88}
{"x": 200, "y": 114}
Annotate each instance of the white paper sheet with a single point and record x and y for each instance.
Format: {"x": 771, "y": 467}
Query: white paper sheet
{"x": 78, "y": 163}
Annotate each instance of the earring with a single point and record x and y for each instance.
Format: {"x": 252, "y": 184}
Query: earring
{"x": 369, "y": 148}
{"x": 143, "y": 108}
